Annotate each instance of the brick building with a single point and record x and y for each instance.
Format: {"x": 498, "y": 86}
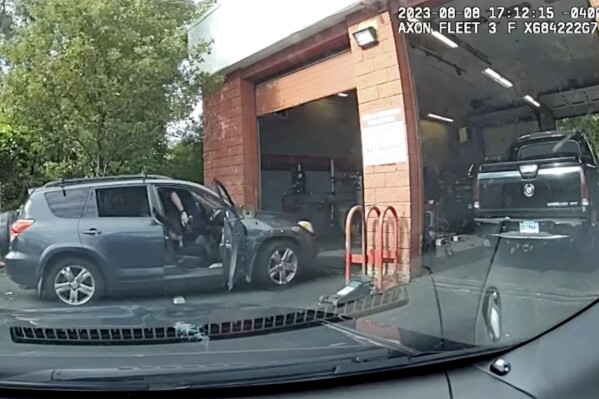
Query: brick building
{"x": 379, "y": 74}
{"x": 285, "y": 56}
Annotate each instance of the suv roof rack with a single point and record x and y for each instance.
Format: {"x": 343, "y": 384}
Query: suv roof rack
{"x": 69, "y": 182}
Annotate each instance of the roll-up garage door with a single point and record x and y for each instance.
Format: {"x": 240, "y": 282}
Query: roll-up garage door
{"x": 323, "y": 79}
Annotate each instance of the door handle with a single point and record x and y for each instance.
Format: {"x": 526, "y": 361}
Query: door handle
{"x": 92, "y": 232}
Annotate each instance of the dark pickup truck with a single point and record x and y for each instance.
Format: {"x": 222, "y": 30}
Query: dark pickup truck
{"x": 547, "y": 192}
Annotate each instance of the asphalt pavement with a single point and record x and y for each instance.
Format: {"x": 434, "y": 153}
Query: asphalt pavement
{"x": 303, "y": 294}
{"x": 538, "y": 290}
{"x": 327, "y": 278}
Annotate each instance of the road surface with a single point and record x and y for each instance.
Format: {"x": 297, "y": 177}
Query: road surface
{"x": 538, "y": 290}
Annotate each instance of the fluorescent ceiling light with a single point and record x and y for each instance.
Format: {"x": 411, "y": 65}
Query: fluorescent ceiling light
{"x": 342, "y": 94}
{"x": 441, "y": 37}
{"x": 497, "y": 78}
{"x": 366, "y": 37}
{"x": 437, "y": 35}
{"x": 440, "y": 118}
{"x": 532, "y": 101}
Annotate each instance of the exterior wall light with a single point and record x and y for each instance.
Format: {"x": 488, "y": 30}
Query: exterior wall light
{"x": 366, "y": 37}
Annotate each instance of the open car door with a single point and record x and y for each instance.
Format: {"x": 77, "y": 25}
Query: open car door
{"x": 234, "y": 235}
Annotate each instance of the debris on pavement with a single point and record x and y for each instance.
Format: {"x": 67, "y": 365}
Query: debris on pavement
{"x": 178, "y": 300}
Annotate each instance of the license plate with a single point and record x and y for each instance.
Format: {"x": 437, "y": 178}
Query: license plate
{"x": 529, "y": 227}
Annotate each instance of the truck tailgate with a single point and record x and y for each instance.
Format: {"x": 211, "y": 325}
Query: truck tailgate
{"x": 540, "y": 187}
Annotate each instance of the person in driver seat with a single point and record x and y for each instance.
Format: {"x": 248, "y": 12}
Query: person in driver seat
{"x": 184, "y": 217}
{"x": 194, "y": 224}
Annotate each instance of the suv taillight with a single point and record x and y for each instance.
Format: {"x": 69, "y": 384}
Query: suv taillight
{"x": 19, "y": 226}
{"x": 584, "y": 189}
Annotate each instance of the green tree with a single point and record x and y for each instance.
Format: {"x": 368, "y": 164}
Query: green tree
{"x": 586, "y": 123}
{"x": 17, "y": 162}
{"x": 184, "y": 159}
{"x": 94, "y": 84}
{"x": 5, "y": 18}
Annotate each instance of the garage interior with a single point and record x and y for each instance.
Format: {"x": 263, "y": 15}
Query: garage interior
{"x": 469, "y": 117}
{"x": 311, "y": 162}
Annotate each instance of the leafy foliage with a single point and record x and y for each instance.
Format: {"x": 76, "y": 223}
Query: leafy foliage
{"x": 586, "y": 123}
{"x": 90, "y": 87}
{"x": 183, "y": 161}
{"x": 16, "y": 164}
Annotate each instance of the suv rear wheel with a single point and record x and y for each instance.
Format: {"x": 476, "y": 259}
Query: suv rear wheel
{"x": 74, "y": 281}
{"x": 278, "y": 264}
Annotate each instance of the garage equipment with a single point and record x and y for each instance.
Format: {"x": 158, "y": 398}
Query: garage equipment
{"x": 464, "y": 204}
{"x": 376, "y": 280}
{"x": 298, "y": 180}
{"x": 380, "y": 262}
{"x": 438, "y": 230}
{"x": 357, "y": 288}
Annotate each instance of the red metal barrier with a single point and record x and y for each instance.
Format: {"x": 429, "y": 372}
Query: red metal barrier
{"x": 378, "y": 255}
{"x": 388, "y": 255}
{"x": 361, "y": 258}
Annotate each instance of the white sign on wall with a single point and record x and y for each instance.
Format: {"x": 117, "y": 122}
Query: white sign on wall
{"x": 384, "y": 138}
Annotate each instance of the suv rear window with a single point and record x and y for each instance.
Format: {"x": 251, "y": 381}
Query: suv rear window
{"x": 68, "y": 204}
{"x": 123, "y": 202}
{"x": 547, "y": 149}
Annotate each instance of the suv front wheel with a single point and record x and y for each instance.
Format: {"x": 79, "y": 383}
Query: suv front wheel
{"x": 278, "y": 264}
{"x": 74, "y": 281}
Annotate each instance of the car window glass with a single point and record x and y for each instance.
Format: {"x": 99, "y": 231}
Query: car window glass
{"x": 91, "y": 209}
{"x": 67, "y": 204}
{"x": 192, "y": 203}
{"x": 188, "y": 196}
{"x": 586, "y": 150}
{"x": 123, "y": 202}
{"x": 540, "y": 150}
{"x": 206, "y": 199}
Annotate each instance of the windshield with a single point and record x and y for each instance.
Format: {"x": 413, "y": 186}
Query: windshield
{"x": 254, "y": 185}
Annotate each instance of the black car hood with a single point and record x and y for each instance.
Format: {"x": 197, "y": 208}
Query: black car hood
{"x": 271, "y": 220}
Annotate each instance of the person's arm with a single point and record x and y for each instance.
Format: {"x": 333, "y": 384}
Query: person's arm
{"x": 179, "y": 205}
{"x": 177, "y": 201}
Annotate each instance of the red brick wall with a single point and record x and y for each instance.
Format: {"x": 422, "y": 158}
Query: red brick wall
{"x": 230, "y": 135}
{"x": 230, "y": 142}
{"x": 379, "y": 88}
{"x": 323, "y": 79}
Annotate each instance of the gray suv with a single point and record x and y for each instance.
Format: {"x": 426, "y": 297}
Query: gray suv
{"x": 78, "y": 240}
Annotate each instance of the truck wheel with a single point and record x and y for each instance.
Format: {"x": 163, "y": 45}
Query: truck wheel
{"x": 587, "y": 258}
{"x": 278, "y": 264}
{"x": 74, "y": 281}
{"x": 587, "y": 251}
